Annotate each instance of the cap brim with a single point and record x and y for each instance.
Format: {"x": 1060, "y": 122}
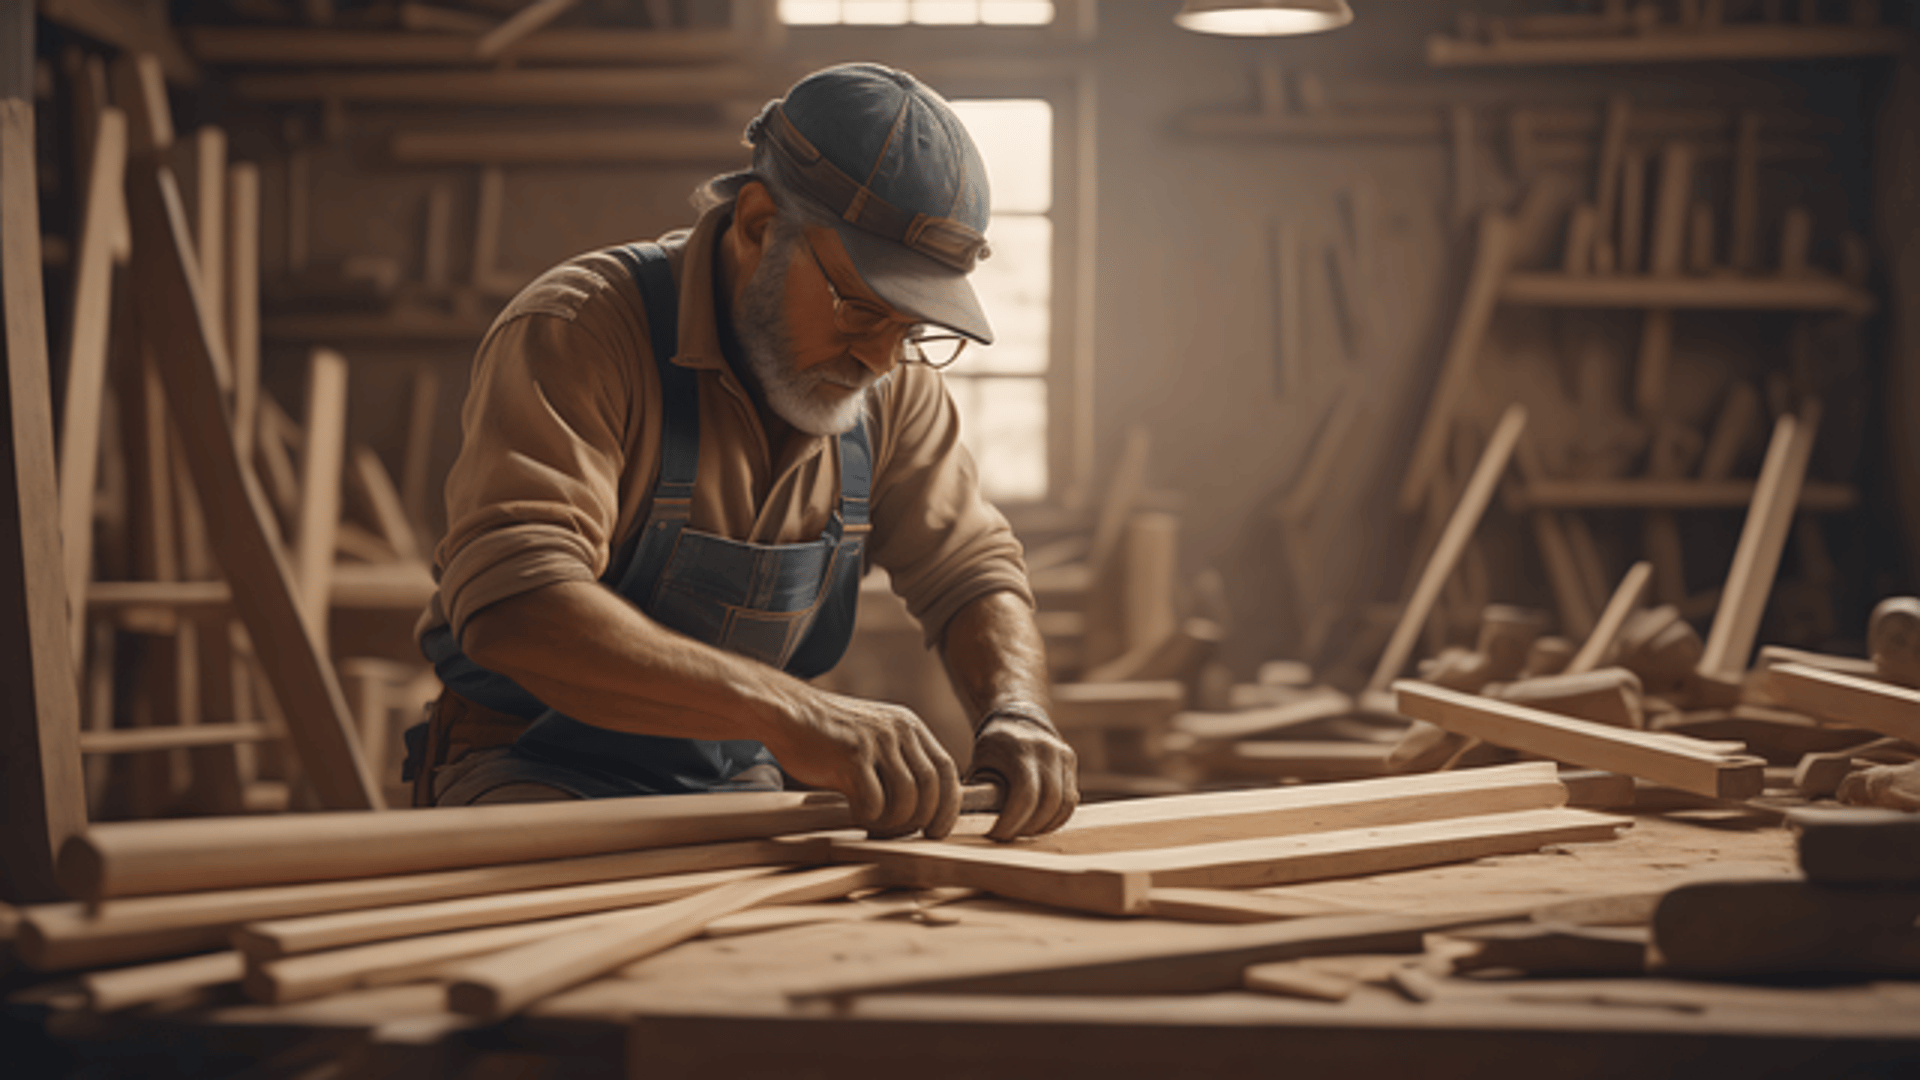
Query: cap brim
{"x": 916, "y": 285}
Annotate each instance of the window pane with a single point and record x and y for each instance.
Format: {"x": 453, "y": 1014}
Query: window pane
{"x": 1016, "y": 139}
{"x": 1016, "y": 12}
{"x": 809, "y": 12}
{"x": 1015, "y": 287}
{"x": 1003, "y": 423}
{"x": 874, "y": 12}
{"x": 946, "y": 12}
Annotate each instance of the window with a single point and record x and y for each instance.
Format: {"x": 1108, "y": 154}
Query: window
{"x": 924, "y": 12}
{"x": 1001, "y": 390}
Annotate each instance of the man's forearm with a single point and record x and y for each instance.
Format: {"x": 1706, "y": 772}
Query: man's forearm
{"x": 995, "y": 657}
{"x": 590, "y": 655}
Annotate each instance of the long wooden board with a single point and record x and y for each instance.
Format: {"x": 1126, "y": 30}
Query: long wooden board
{"x": 1756, "y": 559}
{"x": 67, "y": 935}
{"x": 41, "y": 789}
{"x": 1673, "y": 760}
{"x": 239, "y": 525}
{"x": 1121, "y": 883}
{"x": 1868, "y": 703}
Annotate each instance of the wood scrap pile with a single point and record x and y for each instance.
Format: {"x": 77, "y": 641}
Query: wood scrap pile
{"x": 505, "y": 905}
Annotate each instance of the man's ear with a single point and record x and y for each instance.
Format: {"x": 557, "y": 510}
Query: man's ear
{"x": 753, "y": 212}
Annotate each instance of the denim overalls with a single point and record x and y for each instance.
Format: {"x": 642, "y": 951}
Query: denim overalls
{"x": 788, "y": 605}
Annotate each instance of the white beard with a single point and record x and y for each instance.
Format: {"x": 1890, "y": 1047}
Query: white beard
{"x": 759, "y": 322}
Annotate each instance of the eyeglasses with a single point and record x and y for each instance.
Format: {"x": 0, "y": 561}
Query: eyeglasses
{"x": 857, "y": 317}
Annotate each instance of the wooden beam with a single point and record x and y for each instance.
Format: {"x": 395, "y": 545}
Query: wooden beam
{"x": 210, "y": 232}
{"x": 1593, "y": 652}
{"x": 1453, "y": 539}
{"x": 1673, "y": 760}
{"x": 238, "y": 517}
{"x": 1756, "y": 559}
{"x": 264, "y": 46}
{"x": 87, "y": 359}
{"x": 69, "y": 935}
{"x": 1758, "y": 41}
{"x": 134, "y": 858}
{"x": 498, "y": 986}
{"x": 124, "y": 988}
{"x": 625, "y": 87}
{"x": 627, "y": 144}
{"x": 1815, "y": 292}
{"x": 243, "y": 299}
{"x": 148, "y": 739}
{"x": 1868, "y": 703}
{"x": 41, "y": 787}
{"x": 275, "y": 938}
{"x": 1120, "y": 883}
{"x": 1492, "y": 256}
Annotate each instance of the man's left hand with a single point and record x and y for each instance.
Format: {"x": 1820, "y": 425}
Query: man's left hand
{"x": 1039, "y": 770}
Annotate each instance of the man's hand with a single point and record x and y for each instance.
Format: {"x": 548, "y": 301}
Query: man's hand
{"x": 894, "y": 773}
{"x": 1039, "y": 770}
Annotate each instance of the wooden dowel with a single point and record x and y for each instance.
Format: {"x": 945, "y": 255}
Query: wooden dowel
{"x": 210, "y": 236}
{"x": 503, "y": 984}
{"x": 243, "y": 298}
{"x": 321, "y": 462}
{"x": 1868, "y": 703}
{"x": 1453, "y": 540}
{"x": 1593, "y": 652}
{"x": 516, "y": 27}
{"x": 112, "y": 991}
{"x": 69, "y": 935}
{"x": 141, "y": 857}
{"x": 285, "y": 937}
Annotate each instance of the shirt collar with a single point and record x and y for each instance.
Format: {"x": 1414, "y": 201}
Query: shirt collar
{"x": 699, "y": 344}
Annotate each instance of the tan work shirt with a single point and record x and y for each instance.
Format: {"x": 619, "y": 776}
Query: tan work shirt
{"x": 561, "y": 453}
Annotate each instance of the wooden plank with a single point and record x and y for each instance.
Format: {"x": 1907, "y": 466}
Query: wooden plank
{"x": 146, "y": 740}
{"x": 243, "y": 299}
{"x": 1757, "y": 41}
{"x": 501, "y": 985}
{"x": 1664, "y": 759}
{"x": 87, "y": 359}
{"x": 514, "y": 29}
{"x": 1815, "y": 292}
{"x": 237, "y": 511}
{"x": 1756, "y": 559}
{"x": 68, "y": 935}
{"x": 1593, "y": 652}
{"x": 1120, "y": 883}
{"x": 41, "y": 787}
{"x": 1176, "y": 960}
{"x": 1862, "y": 702}
{"x": 210, "y": 233}
{"x": 1237, "y": 906}
{"x": 140, "y": 857}
{"x": 1182, "y": 820}
{"x": 323, "y": 450}
{"x": 275, "y": 938}
{"x": 1492, "y": 256}
{"x": 626, "y": 87}
{"x": 1453, "y": 539}
{"x": 1657, "y": 494}
{"x": 267, "y": 46}
{"x": 627, "y": 144}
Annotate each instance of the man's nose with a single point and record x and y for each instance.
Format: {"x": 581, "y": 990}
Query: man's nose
{"x": 880, "y": 352}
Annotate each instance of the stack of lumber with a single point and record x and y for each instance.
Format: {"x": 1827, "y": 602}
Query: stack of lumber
{"x": 505, "y": 905}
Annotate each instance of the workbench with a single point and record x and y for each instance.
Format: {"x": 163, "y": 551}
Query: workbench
{"x": 721, "y": 1006}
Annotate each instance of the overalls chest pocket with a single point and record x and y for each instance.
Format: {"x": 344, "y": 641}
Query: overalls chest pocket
{"x": 756, "y": 600}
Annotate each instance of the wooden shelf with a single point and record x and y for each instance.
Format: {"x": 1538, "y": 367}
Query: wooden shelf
{"x": 624, "y": 86}
{"x": 628, "y": 144}
{"x": 278, "y": 46}
{"x": 1676, "y": 45}
{"x": 1672, "y": 495}
{"x": 1813, "y": 293}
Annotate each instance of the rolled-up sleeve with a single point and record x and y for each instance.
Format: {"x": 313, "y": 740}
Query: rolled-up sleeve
{"x": 533, "y": 498}
{"x": 941, "y": 541}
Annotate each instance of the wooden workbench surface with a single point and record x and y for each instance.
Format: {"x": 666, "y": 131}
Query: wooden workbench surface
{"x": 721, "y": 1006}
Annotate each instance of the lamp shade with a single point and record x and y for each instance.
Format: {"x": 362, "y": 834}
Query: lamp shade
{"x": 1263, "y": 17}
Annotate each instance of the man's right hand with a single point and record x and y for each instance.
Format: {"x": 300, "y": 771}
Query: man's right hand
{"x": 895, "y": 775}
